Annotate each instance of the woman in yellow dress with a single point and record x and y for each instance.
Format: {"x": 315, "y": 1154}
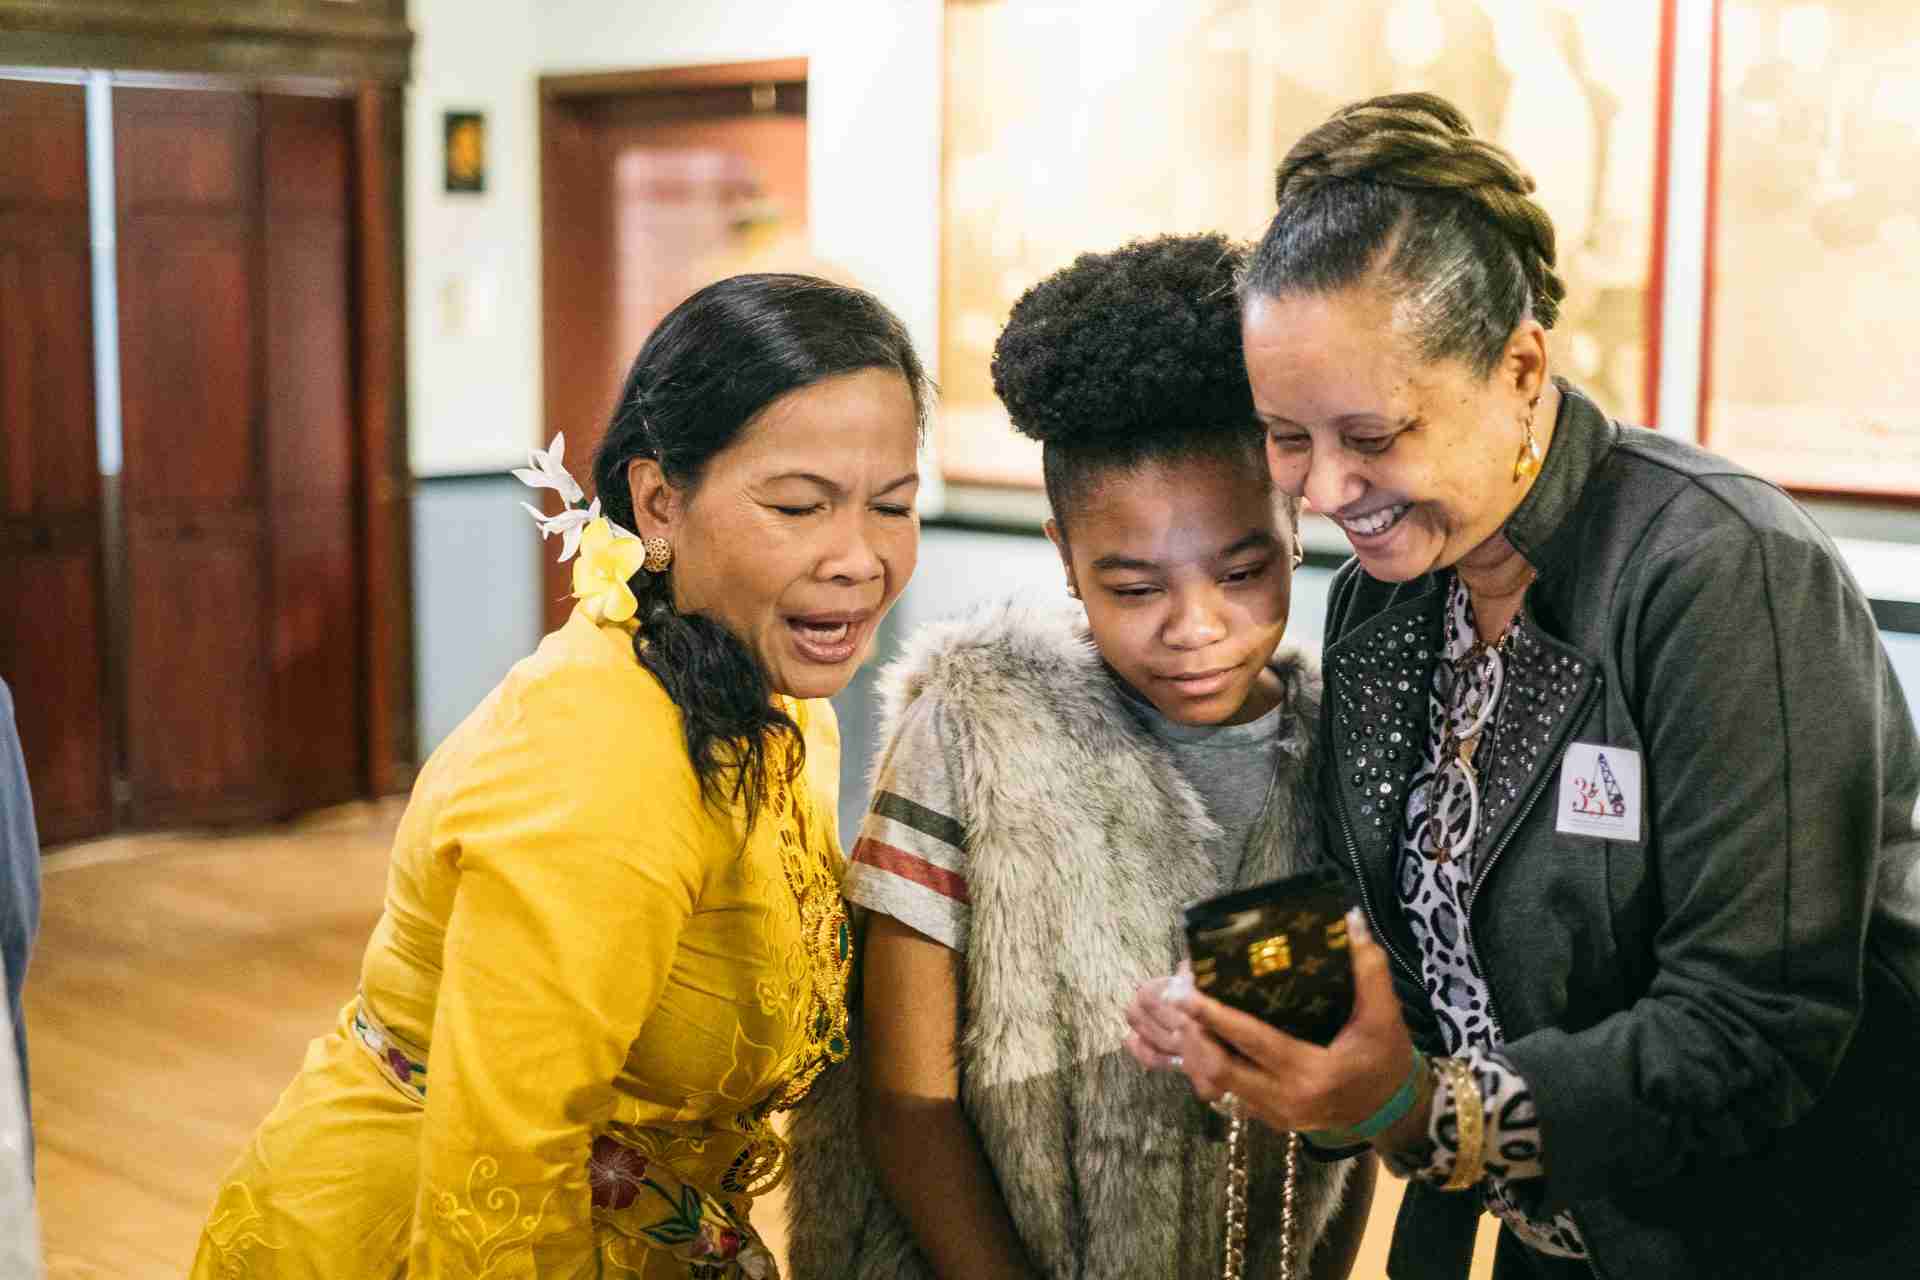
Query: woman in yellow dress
{"x": 613, "y": 943}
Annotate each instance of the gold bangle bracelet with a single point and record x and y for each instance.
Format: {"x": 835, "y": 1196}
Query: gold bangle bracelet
{"x": 1470, "y": 1123}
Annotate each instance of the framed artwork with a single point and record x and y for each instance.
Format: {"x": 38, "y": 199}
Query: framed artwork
{"x": 1810, "y": 375}
{"x": 1067, "y": 130}
{"x": 466, "y": 151}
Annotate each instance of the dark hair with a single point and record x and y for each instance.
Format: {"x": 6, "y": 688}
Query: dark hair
{"x": 705, "y": 374}
{"x": 1129, "y": 358}
{"x": 1401, "y": 184}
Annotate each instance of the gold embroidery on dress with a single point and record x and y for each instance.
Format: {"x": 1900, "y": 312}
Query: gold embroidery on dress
{"x": 817, "y": 973}
{"x": 620, "y": 1256}
{"x": 761, "y": 1164}
{"x": 236, "y": 1229}
{"x": 662, "y": 1144}
{"x": 806, "y": 994}
{"x": 750, "y": 1063}
{"x": 487, "y": 1243}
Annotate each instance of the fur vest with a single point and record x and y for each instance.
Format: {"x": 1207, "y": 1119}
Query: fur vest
{"x": 1083, "y": 840}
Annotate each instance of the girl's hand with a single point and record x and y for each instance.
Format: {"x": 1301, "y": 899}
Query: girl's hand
{"x": 1155, "y": 1021}
{"x": 1287, "y": 1083}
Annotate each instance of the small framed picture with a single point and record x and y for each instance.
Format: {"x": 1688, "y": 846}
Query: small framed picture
{"x": 466, "y": 151}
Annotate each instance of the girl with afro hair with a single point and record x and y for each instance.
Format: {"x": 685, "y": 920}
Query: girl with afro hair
{"x": 1055, "y": 784}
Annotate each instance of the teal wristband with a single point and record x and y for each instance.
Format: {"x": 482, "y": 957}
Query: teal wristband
{"x": 1379, "y": 1122}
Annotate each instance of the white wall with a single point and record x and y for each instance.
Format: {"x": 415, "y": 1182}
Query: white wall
{"x": 873, "y": 134}
{"x": 608, "y": 35}
{"x": 473, "y": 261}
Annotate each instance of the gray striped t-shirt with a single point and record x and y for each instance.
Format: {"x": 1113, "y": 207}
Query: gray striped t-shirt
{"x": 910, "y": 861}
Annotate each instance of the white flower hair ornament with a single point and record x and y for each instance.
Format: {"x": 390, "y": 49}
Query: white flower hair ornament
{"x": 608, "y": 556}
{"x": 547, "y": 469}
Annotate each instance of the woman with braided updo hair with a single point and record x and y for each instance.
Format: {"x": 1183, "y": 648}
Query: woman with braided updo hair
{"x": 1621, "y": 780}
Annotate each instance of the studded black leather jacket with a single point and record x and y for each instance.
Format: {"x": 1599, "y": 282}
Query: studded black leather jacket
{"x": 1720, "y": 1018}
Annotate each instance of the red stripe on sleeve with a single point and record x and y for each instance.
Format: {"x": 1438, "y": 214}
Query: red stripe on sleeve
{"x": 909, "y": 866}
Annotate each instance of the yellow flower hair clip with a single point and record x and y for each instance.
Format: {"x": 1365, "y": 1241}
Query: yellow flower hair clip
{"x": 609, "y": 556}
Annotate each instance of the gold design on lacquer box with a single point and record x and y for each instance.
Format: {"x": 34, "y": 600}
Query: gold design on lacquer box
{"x": 1073, "y": 127}
{"x": 1814, "y": 370}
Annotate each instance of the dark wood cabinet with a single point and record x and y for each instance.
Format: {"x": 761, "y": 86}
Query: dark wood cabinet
{"x": 188, "y": 188}
{"x": 316, "y": 667}
{"x": 244, "y": 653}
{"x": 217, "y": 624}
{"x": 51, "y": 618}
{"x": 223, "y": 629}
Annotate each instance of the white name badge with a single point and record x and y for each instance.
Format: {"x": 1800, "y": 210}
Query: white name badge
{"x": 1600, "y": 792}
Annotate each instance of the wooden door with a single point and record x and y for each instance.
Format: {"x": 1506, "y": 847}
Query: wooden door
{"x": 315, "y": 635}
{"x": 51, "y": 635}
{"x": 191, "y": 332}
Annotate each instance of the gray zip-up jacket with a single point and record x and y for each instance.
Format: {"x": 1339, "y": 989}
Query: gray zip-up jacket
{"x": 1718, "y": 1012}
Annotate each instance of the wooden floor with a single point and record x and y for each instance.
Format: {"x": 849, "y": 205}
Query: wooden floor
{"x": 174, "y": 988}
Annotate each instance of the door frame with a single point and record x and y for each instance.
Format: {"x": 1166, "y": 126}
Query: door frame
{"x": 568, "y": 105}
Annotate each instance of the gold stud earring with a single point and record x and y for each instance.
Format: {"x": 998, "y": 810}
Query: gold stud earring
{"x": 1526, "y": 463}
{"x": 1073, "y": 591}
{"x": 659, "y": 555}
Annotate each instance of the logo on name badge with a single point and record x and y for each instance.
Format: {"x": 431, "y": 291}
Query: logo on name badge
{"x": 1600, "y": 792}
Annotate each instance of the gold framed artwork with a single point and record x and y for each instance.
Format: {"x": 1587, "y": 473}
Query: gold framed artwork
{"x": 466, "y": 152}
{"x": 1069, "y": 128}
{"x": 1810, "y": 377}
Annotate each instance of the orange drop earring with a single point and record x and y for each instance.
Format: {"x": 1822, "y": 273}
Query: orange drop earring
{"x": 1526, "y": 464}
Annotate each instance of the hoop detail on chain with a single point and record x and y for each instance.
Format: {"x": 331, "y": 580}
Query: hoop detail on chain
{"x": 659, "y": 555}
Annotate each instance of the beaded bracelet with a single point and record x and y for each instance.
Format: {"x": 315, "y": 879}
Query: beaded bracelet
{"x": 1380, "y": 1121}
{"x": 1470, "y": 1120}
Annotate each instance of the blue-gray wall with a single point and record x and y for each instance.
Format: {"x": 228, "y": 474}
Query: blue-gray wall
{"x": 476, "y": 607}
{"x": 476, "y": 584}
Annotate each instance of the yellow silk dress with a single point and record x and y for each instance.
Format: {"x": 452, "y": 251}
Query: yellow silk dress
{"x": 580, "y": 1007}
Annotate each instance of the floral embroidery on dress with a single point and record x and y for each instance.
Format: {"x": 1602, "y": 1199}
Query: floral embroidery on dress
{"x": 236, "y": 1228}
{"x": 636, "y": 1189}
{"x": 616, "y": 1172}
{"x": 407, "y": 1072}
{"x": 640, "y": 1197}
{"x": 488, "y": 1223}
